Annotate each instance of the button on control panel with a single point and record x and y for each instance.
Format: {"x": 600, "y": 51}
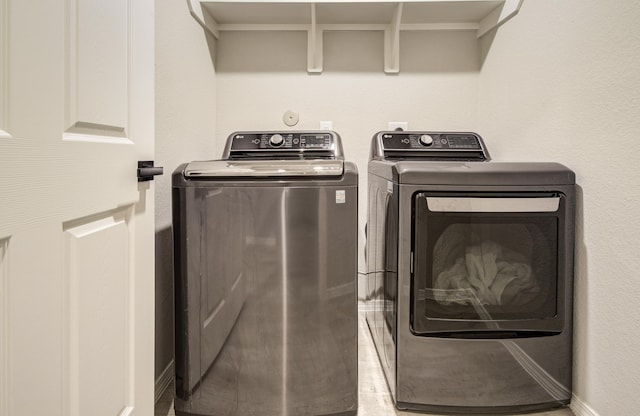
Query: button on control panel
{"x": 276, "y": 140}
{"x": 426, "y": 140}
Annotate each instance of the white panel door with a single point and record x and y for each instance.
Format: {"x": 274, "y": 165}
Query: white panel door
{"x": 76, "y": 228}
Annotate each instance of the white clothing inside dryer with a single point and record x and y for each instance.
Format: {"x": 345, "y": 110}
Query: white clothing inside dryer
{"x": 484, "y": 271}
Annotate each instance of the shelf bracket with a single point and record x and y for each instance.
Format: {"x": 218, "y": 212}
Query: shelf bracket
{"x": 314, "y": 44}
{"x": 211, "y": 28}
{"x": 499, "y": 16}
{"x": 392, "y": 43}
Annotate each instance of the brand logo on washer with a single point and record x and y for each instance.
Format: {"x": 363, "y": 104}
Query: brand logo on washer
{"x": 239, "y": 136}
{"x": 387, "y": 136}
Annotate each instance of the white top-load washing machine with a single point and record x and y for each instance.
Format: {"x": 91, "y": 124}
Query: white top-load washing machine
{"x": 265, "y": 278}
{"x": 470, "y": 275}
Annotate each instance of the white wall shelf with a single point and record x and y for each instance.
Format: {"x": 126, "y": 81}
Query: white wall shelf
{"x": 317, "y": 17}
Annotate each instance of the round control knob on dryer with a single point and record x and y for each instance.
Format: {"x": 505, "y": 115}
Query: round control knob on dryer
{"x": 426, "y": 140}
{"x": 276, "y": 140}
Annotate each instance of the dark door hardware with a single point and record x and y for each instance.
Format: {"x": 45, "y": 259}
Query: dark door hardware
{"x": 146, "y": 170}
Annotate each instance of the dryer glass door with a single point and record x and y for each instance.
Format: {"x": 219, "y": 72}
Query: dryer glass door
{"x": 487, "y": 265}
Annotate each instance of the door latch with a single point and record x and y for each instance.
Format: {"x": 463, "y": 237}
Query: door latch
{"x": 146, "y": 170}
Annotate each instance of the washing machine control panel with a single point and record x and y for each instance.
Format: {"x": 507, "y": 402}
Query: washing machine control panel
{"x": 301, "y": 144}
{"x": 429, "y": 145}
{"x": 282, "y": 140}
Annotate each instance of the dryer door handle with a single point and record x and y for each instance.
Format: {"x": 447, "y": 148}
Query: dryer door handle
{"x": 463, "y": 204}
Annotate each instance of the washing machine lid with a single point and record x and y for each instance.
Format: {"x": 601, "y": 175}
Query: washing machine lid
{"x": 264, "y": 168}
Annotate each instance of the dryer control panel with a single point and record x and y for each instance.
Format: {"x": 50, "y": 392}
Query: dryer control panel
{"x": 395, "y": 145}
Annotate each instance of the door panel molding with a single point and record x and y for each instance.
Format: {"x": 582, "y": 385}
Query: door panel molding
{"x": 4, "y": 69}
{"x": 4, "y": 326}
{"x": 100, "y": 314}
{"x": 97, "y": 83}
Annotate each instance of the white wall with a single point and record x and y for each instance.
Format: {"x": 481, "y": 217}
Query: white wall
{"x": 562, "y": 82}
{"x": 185, "y": 128}
{"x": 261, "y": 75}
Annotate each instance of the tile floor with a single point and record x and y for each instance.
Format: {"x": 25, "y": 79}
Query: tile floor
{"x": 374, "y": 398}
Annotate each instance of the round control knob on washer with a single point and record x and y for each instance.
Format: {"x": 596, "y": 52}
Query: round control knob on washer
{"x": 426, "y": 140}
{"x": 276, "y": 140}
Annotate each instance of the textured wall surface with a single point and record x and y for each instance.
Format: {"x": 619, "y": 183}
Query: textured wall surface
{"x": 561, "y": 82}
{"x": 185, "y": 128}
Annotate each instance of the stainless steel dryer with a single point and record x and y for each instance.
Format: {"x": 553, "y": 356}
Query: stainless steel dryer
{"x": 470, "y": 275}
{"x": 265, "y": 278}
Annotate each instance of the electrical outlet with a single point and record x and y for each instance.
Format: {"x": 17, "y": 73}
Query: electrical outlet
{"x": 326, "y": 125}
{"x": 398, "y": 125}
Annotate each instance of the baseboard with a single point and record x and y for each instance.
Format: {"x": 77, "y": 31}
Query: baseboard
{"x": 361, "y": 286}
{"x": 164, "y": 381}
{"x": 580, "y": 408}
